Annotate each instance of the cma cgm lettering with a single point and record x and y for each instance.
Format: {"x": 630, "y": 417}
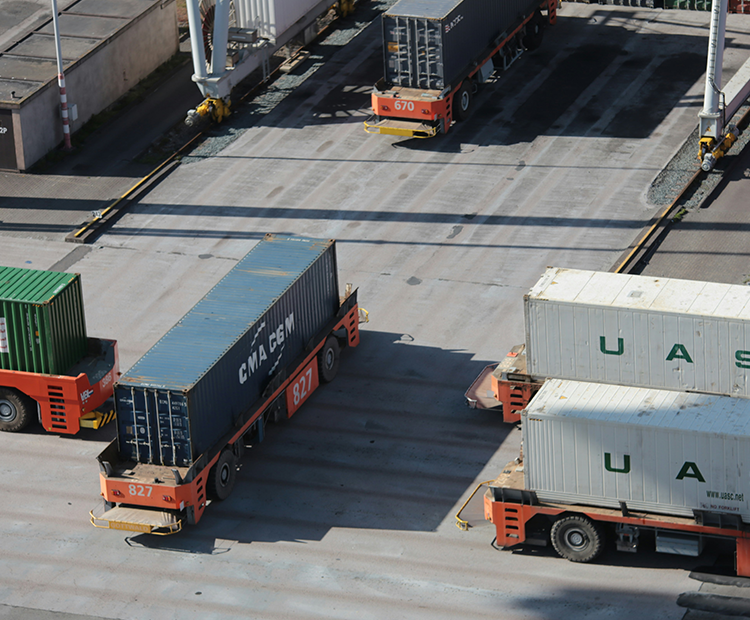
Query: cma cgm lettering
{"x": 261, "y": 352}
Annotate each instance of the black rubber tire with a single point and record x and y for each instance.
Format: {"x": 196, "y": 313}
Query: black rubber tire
{"x": 16, "y": 411}
{"x": 577, "y": 538}
{"x": 328, "y": 360}
{"x": 279, "y": 413}
{"x": 222, "y": 476}
{"x": 534, "y": 33}
{"x": 463, "y": 101}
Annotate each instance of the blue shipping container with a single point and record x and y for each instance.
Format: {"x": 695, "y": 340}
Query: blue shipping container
{"x": 191, "y": 387}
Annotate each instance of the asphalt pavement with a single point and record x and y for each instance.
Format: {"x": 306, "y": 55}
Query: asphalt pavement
{"x": 347, "y": 510}
{"x": 61, "y": 193}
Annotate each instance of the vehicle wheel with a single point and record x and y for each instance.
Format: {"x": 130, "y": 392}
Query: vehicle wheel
{"x": 462, "y": 101}
{"x": 328, "y": 360}
{"x": 16, "y": 410}
{"x": 577, "y": 539}
{"x": 534, "y": 33}
{"x": 222, "y": 477}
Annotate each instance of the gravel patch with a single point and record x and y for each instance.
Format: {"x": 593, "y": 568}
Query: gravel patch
{"x": 340, "y": 34}
{"x": 685, "y": 164}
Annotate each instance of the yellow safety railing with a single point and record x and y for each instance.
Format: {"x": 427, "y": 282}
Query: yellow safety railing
{"x": 461, "y": 524}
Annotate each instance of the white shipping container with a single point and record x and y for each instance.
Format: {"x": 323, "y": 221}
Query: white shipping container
{"x": 657, "y": 450}
{"x": 273, "y": 18}
{"x": 641, "y": 331}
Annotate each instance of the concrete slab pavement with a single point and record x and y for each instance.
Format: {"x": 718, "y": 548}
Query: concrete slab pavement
{"x": 48, "y": 205}
{"x": 347, "y": 510}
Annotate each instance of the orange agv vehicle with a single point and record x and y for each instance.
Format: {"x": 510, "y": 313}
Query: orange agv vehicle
{"x": 64, "y": 403}
{"x": 438, "y": 53}
{"x": 251, "y": 351}
{"x": 49, "y": 367}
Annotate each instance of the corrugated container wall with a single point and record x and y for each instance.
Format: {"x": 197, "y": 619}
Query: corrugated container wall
{"x": 42, "y": 323}
{"x": 641, "y": 331}
{"x": 190, "y": 388}
{"x": 432, "y": 44}
{"x": 271, "y": 18}
{"x": 657, "y": 450}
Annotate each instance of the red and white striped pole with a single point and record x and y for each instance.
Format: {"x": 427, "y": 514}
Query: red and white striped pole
{"x": 61, "y": 81}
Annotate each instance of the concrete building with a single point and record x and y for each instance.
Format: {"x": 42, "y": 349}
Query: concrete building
{"x": 108, "y": 46}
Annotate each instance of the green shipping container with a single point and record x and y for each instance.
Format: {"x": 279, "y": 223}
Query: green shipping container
{"x": 42, "y": 325}
{"x": 692, "y": 5}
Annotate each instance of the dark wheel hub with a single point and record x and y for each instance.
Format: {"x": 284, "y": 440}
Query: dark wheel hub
{"x": 464, "y": 100}
{"x": 8, "y": 412}
{"x": 16, "y": 410}
{"x": 225, "y": 474}
{"x": 328, "y": 360}
{"x": 576, "y": 539}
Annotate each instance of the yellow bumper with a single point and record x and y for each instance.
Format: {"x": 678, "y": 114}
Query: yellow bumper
{"x": 395, "y": 127}
{"x": 96, "y": 419}
{"x": 140, "y": 520}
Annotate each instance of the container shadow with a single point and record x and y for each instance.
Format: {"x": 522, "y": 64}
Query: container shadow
{"x": 593, "y": 603}
{"x": 177, "y": 544}
{"x": 626, "y": 602}
{"x": 390, "y": 445}
{"x": 717, "y": 557}
{"x": 581, "y": 82}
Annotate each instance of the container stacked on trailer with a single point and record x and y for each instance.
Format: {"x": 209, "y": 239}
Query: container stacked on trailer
{"x": 636, "y": 415}
{"x": 42, "y": 325}
{"x": 49, "y": 367}
{"x": 255, "y": 347}
{"x": 436, "y": 54}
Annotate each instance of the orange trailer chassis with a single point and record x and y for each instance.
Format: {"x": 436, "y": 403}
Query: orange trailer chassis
{"x": 517, "y": 514}
{"x": 184, "y": 497}
{"x": 64, "y": 399}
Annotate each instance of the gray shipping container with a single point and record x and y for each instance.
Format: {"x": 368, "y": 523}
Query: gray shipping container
{"x": 433, "y": 44}
{"x": 640, "y": 331}
{"x": 657, "y": 450}
{"x": 187, "y": 392}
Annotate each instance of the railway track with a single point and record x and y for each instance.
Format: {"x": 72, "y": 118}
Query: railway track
{"x": 721, "y": 594}
{"x": 638, "y": 256}
{"x": 254, "y": 85}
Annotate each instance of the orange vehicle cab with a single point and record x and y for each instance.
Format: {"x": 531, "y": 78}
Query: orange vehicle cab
{"x": 63, "y": 403}
{"x": 577, "y": 532}
{"x": 505, "y": 386}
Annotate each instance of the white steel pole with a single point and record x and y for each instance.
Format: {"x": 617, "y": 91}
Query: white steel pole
{"x": 711, "y": 124}
{"x": 61, "y": 80}
{"x": 220, "y": 38}
{"x": 196, "y": 40}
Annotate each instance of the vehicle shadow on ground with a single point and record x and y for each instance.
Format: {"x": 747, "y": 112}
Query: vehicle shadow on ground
{"x": 715, "y": 562}
{"x": 390, "y": 444}
{"x": 595, "y": 87}
{"x": 621, "y": 603}
{"x": 716, "y": 557}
